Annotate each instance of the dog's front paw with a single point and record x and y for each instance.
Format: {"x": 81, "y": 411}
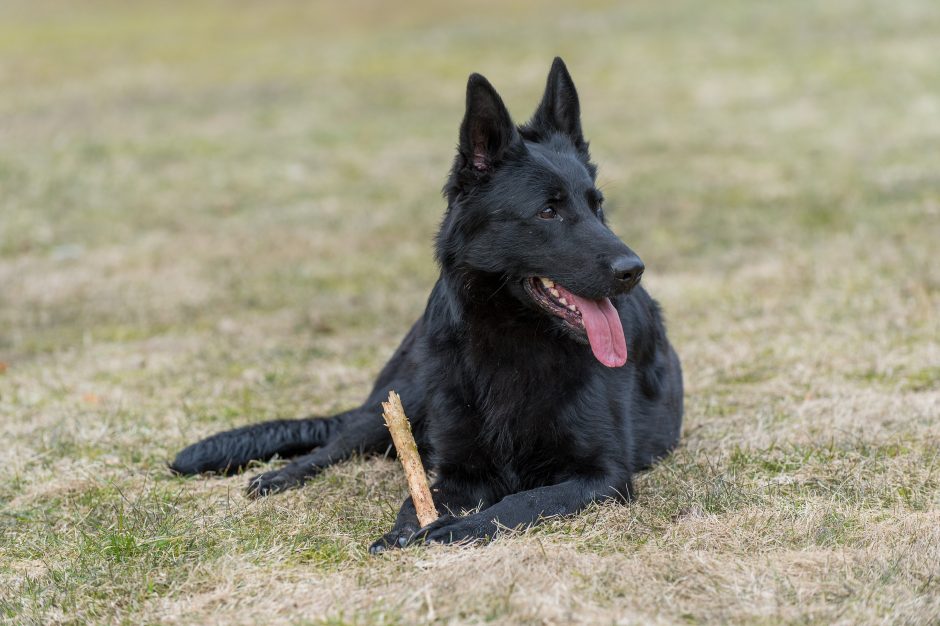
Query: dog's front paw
{"x": 394, "y": 539}
{"x": 271, "y": 482}
{"x": 450, "y": 529}
{"x": 403, "y": 535}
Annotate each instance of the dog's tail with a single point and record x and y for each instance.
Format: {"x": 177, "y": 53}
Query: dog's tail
{"x": 230, "y": 451}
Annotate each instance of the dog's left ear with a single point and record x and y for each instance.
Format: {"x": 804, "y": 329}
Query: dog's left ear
{"x": 560, "y": 110}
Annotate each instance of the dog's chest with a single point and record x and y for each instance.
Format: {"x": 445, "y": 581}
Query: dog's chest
{"x": 504, "y": 401}
{"x": 521, "y": 407}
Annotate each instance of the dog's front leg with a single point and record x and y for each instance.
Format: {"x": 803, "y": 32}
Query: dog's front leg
{"x": 450, "y": 498}
{"x": 524, "y": 509}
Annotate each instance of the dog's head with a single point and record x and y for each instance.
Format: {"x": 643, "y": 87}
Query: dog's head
{"x": 523, "y": 205}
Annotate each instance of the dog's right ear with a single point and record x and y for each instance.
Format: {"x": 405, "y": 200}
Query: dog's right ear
{"x": 487, "y": 130}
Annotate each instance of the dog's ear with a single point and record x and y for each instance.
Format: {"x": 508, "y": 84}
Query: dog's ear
{"x": 487, "y": 130}
{"x": 559, "y": 110}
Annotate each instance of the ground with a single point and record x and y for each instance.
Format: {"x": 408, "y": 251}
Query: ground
{"x": 215, "y": 213}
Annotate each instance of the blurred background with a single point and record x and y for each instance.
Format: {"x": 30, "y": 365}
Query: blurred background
{"x": 213, "y": 213}
{"x": 163, "y": 160}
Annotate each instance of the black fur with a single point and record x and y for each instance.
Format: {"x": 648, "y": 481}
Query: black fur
{"x": 511, "y": 409}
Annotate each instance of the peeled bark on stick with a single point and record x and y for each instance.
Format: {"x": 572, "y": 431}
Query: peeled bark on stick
{"x": 407, "y": 449}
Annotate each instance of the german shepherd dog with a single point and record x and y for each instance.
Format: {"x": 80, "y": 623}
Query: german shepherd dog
{"x": 522, "y": 396}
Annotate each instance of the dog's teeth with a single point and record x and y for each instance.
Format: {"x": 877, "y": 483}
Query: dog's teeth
{"x": 563, "y": 301}
{"x": 554, "y": 292}
{"x": 572, "y": 307}
{"x": 547, "y": 282}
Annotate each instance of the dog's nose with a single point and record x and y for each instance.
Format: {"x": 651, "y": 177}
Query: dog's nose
{"x": 627, "y": 270}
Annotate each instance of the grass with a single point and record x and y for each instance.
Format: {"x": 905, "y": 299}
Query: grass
{"x": 212, "y": 214}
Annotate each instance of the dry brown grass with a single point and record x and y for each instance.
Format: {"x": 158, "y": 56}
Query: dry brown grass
{"x": 220, "y": 214}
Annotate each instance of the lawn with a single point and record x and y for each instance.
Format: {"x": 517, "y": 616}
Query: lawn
{"x": 215, "y": 213}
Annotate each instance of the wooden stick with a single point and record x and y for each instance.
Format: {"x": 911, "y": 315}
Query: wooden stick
{"x": 400, "y": 429}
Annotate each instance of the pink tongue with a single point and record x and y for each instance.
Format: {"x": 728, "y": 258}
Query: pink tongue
{"x": 604, "y": 330}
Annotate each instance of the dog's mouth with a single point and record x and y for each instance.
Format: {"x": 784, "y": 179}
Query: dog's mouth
{"x": 597, "y": 319}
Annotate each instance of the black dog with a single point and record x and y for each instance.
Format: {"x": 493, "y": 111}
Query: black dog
{"x": 517, "y": 377}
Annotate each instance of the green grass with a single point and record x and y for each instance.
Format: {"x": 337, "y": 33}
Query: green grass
{"x": 213, "y": 214}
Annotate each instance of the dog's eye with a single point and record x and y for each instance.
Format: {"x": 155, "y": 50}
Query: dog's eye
{"x": 548, "y": 213}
